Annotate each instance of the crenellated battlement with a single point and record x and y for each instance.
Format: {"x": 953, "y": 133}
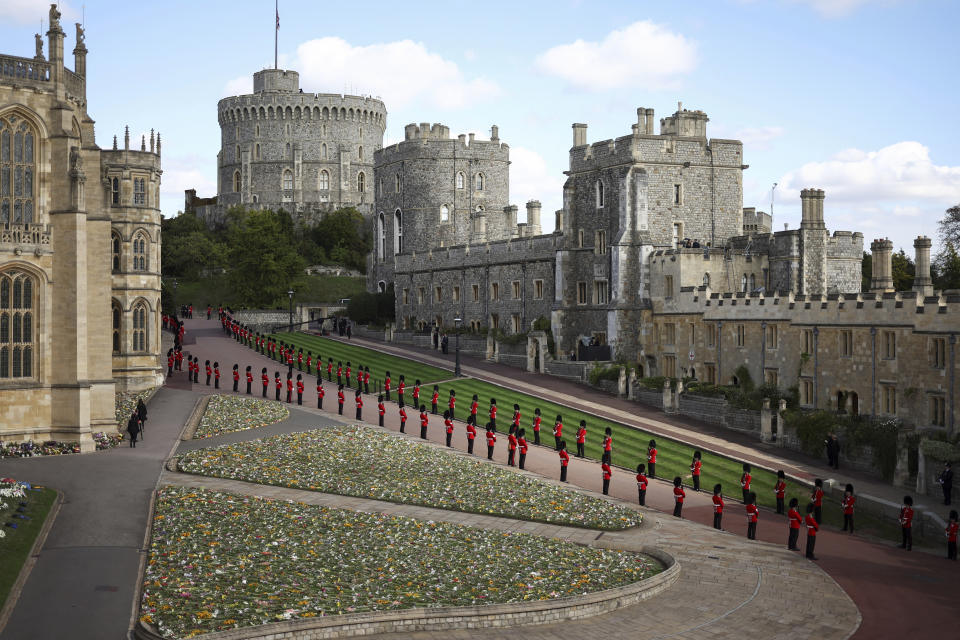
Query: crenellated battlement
{"x": 496, "y": 252}
{"x": 465, "y": 145}
{"x": 302, "y": 106}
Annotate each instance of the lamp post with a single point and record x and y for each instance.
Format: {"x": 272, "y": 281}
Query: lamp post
{"x": 290, "y": 293}
{"x": 456, "y": 368}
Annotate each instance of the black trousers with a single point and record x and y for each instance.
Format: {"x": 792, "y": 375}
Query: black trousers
{"x": 489, "y": 452}
{"x": 359, "y": 413}
{"x": 208, "y": 380}
{"x": 951, "y": 550}
{"x": 423, "y": 432}
{"x": 907, "y": 538}
{"x": 235, "y": 384}
{"x": 678, "y": 509}
{"x": 196, "y": 376}
{"x": 449, "y": 437}
{"x": 339, "y": 379}
{"x": 751, "y": 530}
{"x": 643, "y": 496}
{"x": 696, "y": 482}
{"x": 381, "y": 419}
{"x": 169, "y": 371}
{"x": 651, "y": 470}
{"x": 523, "y": 459}
{"x": 249, "y": 387}
{"x": 563, "y": 474}
{"x": 289, "y": 395}
{"x": 811, "y": 544}
{"x": 387, "y": 391}
{"x": 216, "y": 383}
{"x": 717, "y": 520}
{"x": 792, "y": 540}
{"x": 606, "y": 486}
{"x": 299, "y": 397}
{"x": 403, "y": 426}
{"x": 746, "y": 495}
{"x": 780, "y": 506}
{"x": 340, "y": 408}
{"x": 470, "y": 446}
{"x": 511, "y": 453}
{"x": 580, "y": 447}
{"x": 264, "y": 391}
{"x": 278, "y": 394}
{"x": 947, "y": 490}
{"x": 556, "y": 444}
{"x": 433, "y": 408}
{"x": 399, "y": 395}
{"x": 366, "y": 388}
{"x": 319, "y": 402}
{"x": 493, "y": 423}
{"x": 536, "y": 437}
{"x": 818, "y": 514}
{"x": 451, "y": 413}
{"x": 848, "y": 520}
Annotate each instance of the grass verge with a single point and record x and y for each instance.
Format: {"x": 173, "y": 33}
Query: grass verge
{"x": 16, "y": 545}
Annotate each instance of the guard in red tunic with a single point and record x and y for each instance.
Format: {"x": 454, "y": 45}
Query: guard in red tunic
{"x": 846, "y": 503}
{"x": 493, "y": 413}
{"x": 564, "y": 460}
{"x": 695, "y": 466}
{"x": 381, "y": 410}
{"x": 491, "y": 440}
{"x": 642, "y": 484}
{"x": 209, "y": 309}
{"x": 452, "y": 403}
{"x": 403, "y": 419}
{"x": 330, "y": 370}
{"x": 435, "y": 400}
{"x": 320, "y": 390}
{"x": 309, "y": 360}
{"x": 471, "y": 434}
{"x": 652, "y": 459}
{"x": 951, "y": 532}
{"x": 558, "y": 431}
{"x": 360, "y": 378}
{"x": 817, "y": 499}
{"x": 416, "y": 394}
{"x": 171, "y": 360}
{"x": 236, "y": 377}
{"x": 278, "y": 383}
{"x": 516, "y": 417}
{"x": 448, "y": 423}
{"x": 753, "y": 514}
{"x": 581, "y": 438}
{"x": 289, "y": 387}
{"x": 300, "y": 389}
{"x": 812, "y": 527}
{"x": 906, "y": 523}
{"x": 608, "y": 442}
{"x": 745, "y": 479}
{"x": 511, "y": 445}
{"x": 265, "y": 381}
{"x": 424, "y": 422}
{"x": 340, "y": 399}
{"x": 339, "y": 373}
{"x": 358, "y": 397}
{"x": 249, "y": 379}
{"x": 349, "y": 375}
{"x": 299, "y": 359}
{"x": 386, "y": 385}
{"x": 178, "y": 359}
{"x": 717, "y": 507}
{"x": 780, "y": 490}
{"x": 290, "y": 361}
{"x": 366, "y": 379}
{"x": 522, "y": 444}
{"x": 678, "y": 495}
{"x": 536, "y": 425}
{"x": 796, "y": 521}
{"x": 209, "y": 371}
{"x": 401, "y": 389}
{"x": 216, "y": 375}
{"x": 607, "y": 474}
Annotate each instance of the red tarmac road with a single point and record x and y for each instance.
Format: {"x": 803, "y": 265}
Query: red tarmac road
{"x": 899, "y": 594}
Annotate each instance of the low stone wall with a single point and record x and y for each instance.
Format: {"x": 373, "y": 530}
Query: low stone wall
{"x": 262, "y": 320}
{"x": 649, "y": 397}
{"x": 569, "y": 369}
{"x": 717, "y": 411}
{"x": 362, "y": 331}
{"x": 514, "y": 360}
{"x": 452, "y": 618}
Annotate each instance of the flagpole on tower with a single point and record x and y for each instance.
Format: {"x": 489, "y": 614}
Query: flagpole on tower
{"x": 276, "y": 32}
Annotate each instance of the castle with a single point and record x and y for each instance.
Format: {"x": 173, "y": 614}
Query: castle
{"x": 305, "y": 153}
{"x": 79, "y": 254}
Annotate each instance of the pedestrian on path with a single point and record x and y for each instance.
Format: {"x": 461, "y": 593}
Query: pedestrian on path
{"x": 642, "y": 484}
{"x": 945, "y": 480}
{"x": 522, "y": 444}
{"x": 471, "y": 433}
{"x": 558, "y": 432}
{"x": 309, "y": 360}
{"x": 833, "y": 451}
{"x": 745, "y": 479}
{"x": 795, "y": 521}
{"x": 435, "y": 400}
{"x": 695, "y": 466}
{"x": 753, "y": 514}
{"x": 951, "y": 532}
{"x": 278, "y": 383}
{"x": 678, "y": 495}
{"x": 717, "y": 507}
{"x": 358, "y": 398}
{"x": 812, "y": 527}
{"x": 381, "y": 410}
{"x": 491, "y": 440}
{"x": 452, "y": 403}
{"x": 403, "y": 419}
{"x": 846, "y": 504}
{"x": 652, "y": 459}
{"x": 424, "y": 422}
{"x": 340, "y": 399}
{"x": 511, "y": 446}
{"x": 536, "y": 425}
{"x": 320, "y": 391}
{"x": 448, "y": 424}
{"x": 142, "y": 416}
{"x": 564, "y": 460}
{"x": 264, "y": 381}
{"x": 299, "y": 388}
{"x": 581, "y": 438}
{"x": 133, "y": 428}
{"x": 249, "y": 376}
{"x": 906, "y": 523}
{"x": 607, "y": 443}
{"x": 493, "y": 414}
{"x": 780, "y": 490}
{"x": 817, "y": 499}
{"x": 289, "y": 387}
{"x": 607, "y": 473}
{"x": 236, "y": 377}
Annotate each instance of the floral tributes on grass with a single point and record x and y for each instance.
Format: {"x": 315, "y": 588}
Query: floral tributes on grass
{"x": 32, "y": 449}
{"x": 366, "y": 462}
{"x": 220, "y": 561}
{"x": 233, "y": 413}
{"x": 125, "y": 402}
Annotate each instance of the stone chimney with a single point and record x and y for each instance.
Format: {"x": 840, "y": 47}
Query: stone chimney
{"x": 882, "y": 277}
{"x": 811, "y": 201}
{"x": 922, "y": 283}
{"x": 579, "y": 134}
{"x": 494, "y": 133}
{"x": 533, "y": 218}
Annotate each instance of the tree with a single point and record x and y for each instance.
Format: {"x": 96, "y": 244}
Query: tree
{"x": 263, "y": 263}
{"x": 946, "y": 269}
{"x": 189, "y": 247}
{"x": 950, "y": 226}
{"x": 903, "y": 271}
{"x": 866, "y": 271}
{"x": 344, "y": 238}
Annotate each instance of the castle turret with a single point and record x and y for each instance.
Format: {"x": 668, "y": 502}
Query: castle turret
{"x": 55, "y": 38}
{"x": 812, "y": 209}
{"x": 80, "y": 53}
{"x": 533, "y": 218}
{"x": 922, "y": 283}
{"x": 882, "y": 277}
{"x": 579, "y": 134}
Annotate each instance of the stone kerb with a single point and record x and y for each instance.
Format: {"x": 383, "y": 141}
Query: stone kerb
{"x": 451, "y": 618}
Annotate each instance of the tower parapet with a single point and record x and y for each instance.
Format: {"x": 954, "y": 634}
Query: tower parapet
{"x": 882, "y": 265}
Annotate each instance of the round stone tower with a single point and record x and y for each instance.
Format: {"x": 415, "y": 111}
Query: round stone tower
{"x": 303, "y": 152}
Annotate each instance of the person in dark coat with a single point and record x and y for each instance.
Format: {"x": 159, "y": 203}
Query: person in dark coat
{"x": 141, "y": 415}
{"x": 833, "y": 451}
{"x": 133, "y": 428}
{"x": 945, "y": 480}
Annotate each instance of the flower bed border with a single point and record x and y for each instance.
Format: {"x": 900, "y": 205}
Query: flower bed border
{"x": 452, "y": 618}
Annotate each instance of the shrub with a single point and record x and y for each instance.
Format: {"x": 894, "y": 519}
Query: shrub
{"x": 653, "y": 382}
{"x": 746, "y": 380}
{"x": 611, "y": 372}
{"x": 940, "y": 450}
{"x": 706, "y": 390}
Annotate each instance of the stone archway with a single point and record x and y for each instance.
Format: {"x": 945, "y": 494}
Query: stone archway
{"x": 536, "y": 351}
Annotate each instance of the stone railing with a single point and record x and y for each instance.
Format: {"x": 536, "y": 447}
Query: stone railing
{"x": 76, "y": 85}
{"x": 18, "y": 234}
{"x": 25, "y": 70}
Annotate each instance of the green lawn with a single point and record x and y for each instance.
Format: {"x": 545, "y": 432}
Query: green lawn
{"x": 16, "y": 545}
{"x": 217, "y": 289}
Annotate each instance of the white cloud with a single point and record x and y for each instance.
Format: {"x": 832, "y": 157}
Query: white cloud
{"x": 181, "y": 173}
{"x": 239, "y": 86}
{"x": 402, "y": 72}
{"x": 530, "y": 179}
{"x": 31, "y": 11}
{"x": 643, "y": 54}
{"x": 837, "y": 8}
{"x": 757, "y": 138}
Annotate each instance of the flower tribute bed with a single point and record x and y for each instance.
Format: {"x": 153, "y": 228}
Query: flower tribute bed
{"x": 125, "y": 402}
{"x": 33, "y": 448}
{"x": 366, "y": 462}
{"x": 219, "y": 561}
{"x": 225, "y": 414}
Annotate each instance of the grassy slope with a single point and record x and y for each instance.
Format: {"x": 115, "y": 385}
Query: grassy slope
{"x": 216, "y": 289}
{"x": 15, "y": 547}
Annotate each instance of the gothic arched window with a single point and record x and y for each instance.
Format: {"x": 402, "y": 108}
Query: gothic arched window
{"x": 17, "y": 324}
{"x": 399, "y": 185}
{"x": 288, "y": 180}
{"x": 324, "y": 182}
{"x": 460, "y": 179}
{"x": 140, "y": 246}
{"x": 444, "y": 213}
{"x": 140, "y": 327}
{"x": 743, "y": 283}
{"x": 139, "y": 191}
{"x": 360, "y": 153}
{"x": 398, "y": 232}
{"x": 17, "y": 171}
{"x": 117, "y": 314}
{"x": 599, "y": 193}
{"x": 479, "y": 182}
{"x": 361, "y": 182}
{"x": 237, "y": 182}
{"x": 115, "y": 250}
{"x": 115, "y": 190}
{"x": 381, "y": 237}
{"x": 323, "y": 150}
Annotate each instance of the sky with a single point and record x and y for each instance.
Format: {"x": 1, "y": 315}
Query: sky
{"x": 856, "y": 97}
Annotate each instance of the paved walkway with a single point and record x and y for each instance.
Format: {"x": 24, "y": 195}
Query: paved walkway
{"x": 924, "y": 583}
{"x": 727, "y": 585}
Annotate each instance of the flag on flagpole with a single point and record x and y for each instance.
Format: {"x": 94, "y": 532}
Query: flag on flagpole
{"x": 278, "y": 19}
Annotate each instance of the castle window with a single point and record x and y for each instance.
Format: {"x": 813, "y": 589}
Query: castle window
{"x": 139, "y": 191}
{"x": 494, "y": 291}
{"x": 711, "y": 335}
{"x": 379, "y": 186}
{"x": 938, "y": 353}
{"x": 140, "y": 262}
{"x": 324, "y": 182}
{"x": 515, "y": 322}
{"x": 444, "y": 214}
{"x": 538, "y": 289}
{"x": 381, "y": 236}
{"x": 669, "y": 334}
{"x": 677, "y": 194}
{"x": 753, "y": 282}
{"x": 711, "y": 374}
{"x": 846, "y": 343}
{"x": 741, "y": 335}
{"x": 406, "y": 296}
{"x": 516, "y": 289}
{"x": 361, "y": 182}
{"x": 456, "y": 294}
{"x": 256, "y": 151}
{"x": 237, "y": 182}
{"x": 460, "y": 179}
{"x": 236, "y": 133}
{"x": 476, "y": 293}
{"x": 806, "y": 392}
{"x": 238, "y": 153}
{"x": 600, "y": 243}
{"x": 289, "y": 154}
{"x": 420, "y": 295}
{"x": 668, "y": 286}
{"x": 360, "y": 153}
{"x": 140, "y": 327}
{"x": 889, "y": 345}
{"x": 16, "y": 324}
{"x": 580, "y": 238}
{"x": 677, "y": 234}
{"x": 670, "y": 366}
{"x": 601, "y": 287}
{"x": 706, "y": 279}
{"x": 808, "y": 341}
{"x": 115, "y": 250}
{"x": 581, "y": 293}
{"x": 938, "y": 411}
{"x": 771, "y": 336}
{"x": 398, "y": 186}
{"x": 494, "y": 321}
{"x": 287, "y": 180}
{"x": 438, "y": 294}
{"x": 115, "y": 190}
{"x": 397, "y": 232}
{"x": 479, "y": 182}
{"x": 323, "y": 152}
{"x": 888, "y": 402}
{"x": 258, "y": 131}
{"x": 771, "y": 377}
{"x": 117, "y": 313}
{"x": 599, "y": 194}
{"x": 17, "y": 171}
